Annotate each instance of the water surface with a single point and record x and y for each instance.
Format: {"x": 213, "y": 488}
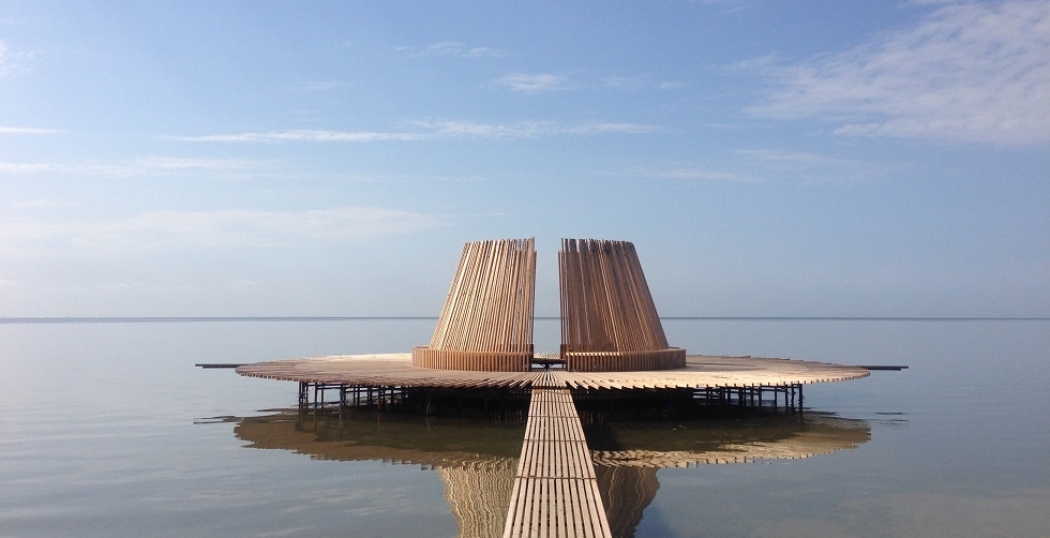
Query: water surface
{"x": 110, "y": 430}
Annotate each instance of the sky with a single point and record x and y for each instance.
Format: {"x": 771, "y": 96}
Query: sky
{"x": 766, "y": 158}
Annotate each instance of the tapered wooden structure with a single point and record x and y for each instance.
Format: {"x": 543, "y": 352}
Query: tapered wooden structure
{"x": 608, "y": 319}
{"x": 487, "y": 321}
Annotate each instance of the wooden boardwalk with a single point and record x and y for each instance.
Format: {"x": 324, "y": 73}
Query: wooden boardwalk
{"x": 555, "y": 489}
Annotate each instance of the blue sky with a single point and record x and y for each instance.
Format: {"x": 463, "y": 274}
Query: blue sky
{"x": 767, "y": 158}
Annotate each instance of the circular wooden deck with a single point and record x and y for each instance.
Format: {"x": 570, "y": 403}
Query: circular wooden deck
{"x": 701, "y": 371}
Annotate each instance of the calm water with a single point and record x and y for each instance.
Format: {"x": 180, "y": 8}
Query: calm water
{"x": 109, "y": 430}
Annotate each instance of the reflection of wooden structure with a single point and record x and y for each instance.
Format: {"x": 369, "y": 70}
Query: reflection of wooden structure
{"x": 477, "y": 460}
{"x": 478, "y": 477}
{"x": 608, "y": 319}
{"x": 626, "y": 493}
{"x": 487, "y": 320}
{"x": 639, "y": 444}
{"x": 478, "y": 496}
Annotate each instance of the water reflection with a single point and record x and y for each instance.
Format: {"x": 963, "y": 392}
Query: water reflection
{"x": 476, "y": 459}
{"x": 628, "y": 454}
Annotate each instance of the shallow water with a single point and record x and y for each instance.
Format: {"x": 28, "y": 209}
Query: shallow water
{"x": 110, "y": 430}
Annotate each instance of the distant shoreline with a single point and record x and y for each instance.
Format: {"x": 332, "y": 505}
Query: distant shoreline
{"x": 214, "y": 319}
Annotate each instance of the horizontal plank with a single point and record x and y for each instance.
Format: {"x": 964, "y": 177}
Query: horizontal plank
{"x": 700, "y": 372}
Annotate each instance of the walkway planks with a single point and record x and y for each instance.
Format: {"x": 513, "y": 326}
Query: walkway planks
{"x": 555, "y": 489}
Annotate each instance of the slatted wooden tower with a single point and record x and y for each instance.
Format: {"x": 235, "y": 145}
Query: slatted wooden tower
{"x": 608, "y": 319}
{"x": 487, "y": 320}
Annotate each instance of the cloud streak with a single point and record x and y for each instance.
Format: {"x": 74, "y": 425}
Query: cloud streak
{"x": 434, "y": 130}
{"x": 534, "y": 83}
{"x": 976, "y": 72}
{"x": 770, "y": 166}
{"x": 220, "y": 228}
{"x": 641, "y": 82}
{"x": 454, "y": 49}
{"x": 307, "y": 135}
{"x": 9, "y": 60}
{"x": 697, "y": 174}
{"x": 531, "y": 129}
{"x": 28, "y": 168}
{"x": 781, "y": 165}
{"x": 138, "y": 167}
{"x": 44, "y": 203}
{"x": 26, "y": 131}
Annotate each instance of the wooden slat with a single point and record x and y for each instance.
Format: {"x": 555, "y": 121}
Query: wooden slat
{"x": 609, "y": 320}
{"x": 487, "y": 321}
{"x": 555, "y": 488}
{"x": 699, "y": 372}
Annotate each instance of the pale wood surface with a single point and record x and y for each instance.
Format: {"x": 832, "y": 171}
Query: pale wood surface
{"x": 701, "y": 371}
{"x": 608, "y": 319}
{"x": 605, "y": 300}
{"x": 555, "y": 491}
{"x": 487, "y": 320}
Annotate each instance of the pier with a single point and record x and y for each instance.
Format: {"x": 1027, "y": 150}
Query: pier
{"x": 555, "y": 488}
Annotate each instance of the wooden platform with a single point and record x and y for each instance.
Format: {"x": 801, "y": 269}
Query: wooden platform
{"x": 555, "y": 490}
{"x": 700, "y": 371}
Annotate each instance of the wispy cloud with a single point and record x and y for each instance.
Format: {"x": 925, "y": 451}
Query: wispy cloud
{"x": 307, "y": 135}
{"x": 436, "y": 129}
{"x": 534, "y": 83}
{"x": 670, "y": 85}
{"x": 453, "y": 48}
{"x": 726, "y": 6}
{"x": 185, "y": 163}
{"x": 26, "y": 130}
{"x": 771, "y": 166}
{"x": 697, "y": 174}
{"x": 135, "y": 167}
{"x": 640, "y": 82}
{"x": 9, "y": 60}
{"x": 784, "y": 165}
{"x": 43, "y": 203}
{"x": 972, "y": 71}
{"x": 27, "y": 168}
{"x": 531, "y": 129}
{"x": 223, "y": 169}
{"x": 221, "y": 228}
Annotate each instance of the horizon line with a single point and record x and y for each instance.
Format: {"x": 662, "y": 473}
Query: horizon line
{"x": 192, "y": 319}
